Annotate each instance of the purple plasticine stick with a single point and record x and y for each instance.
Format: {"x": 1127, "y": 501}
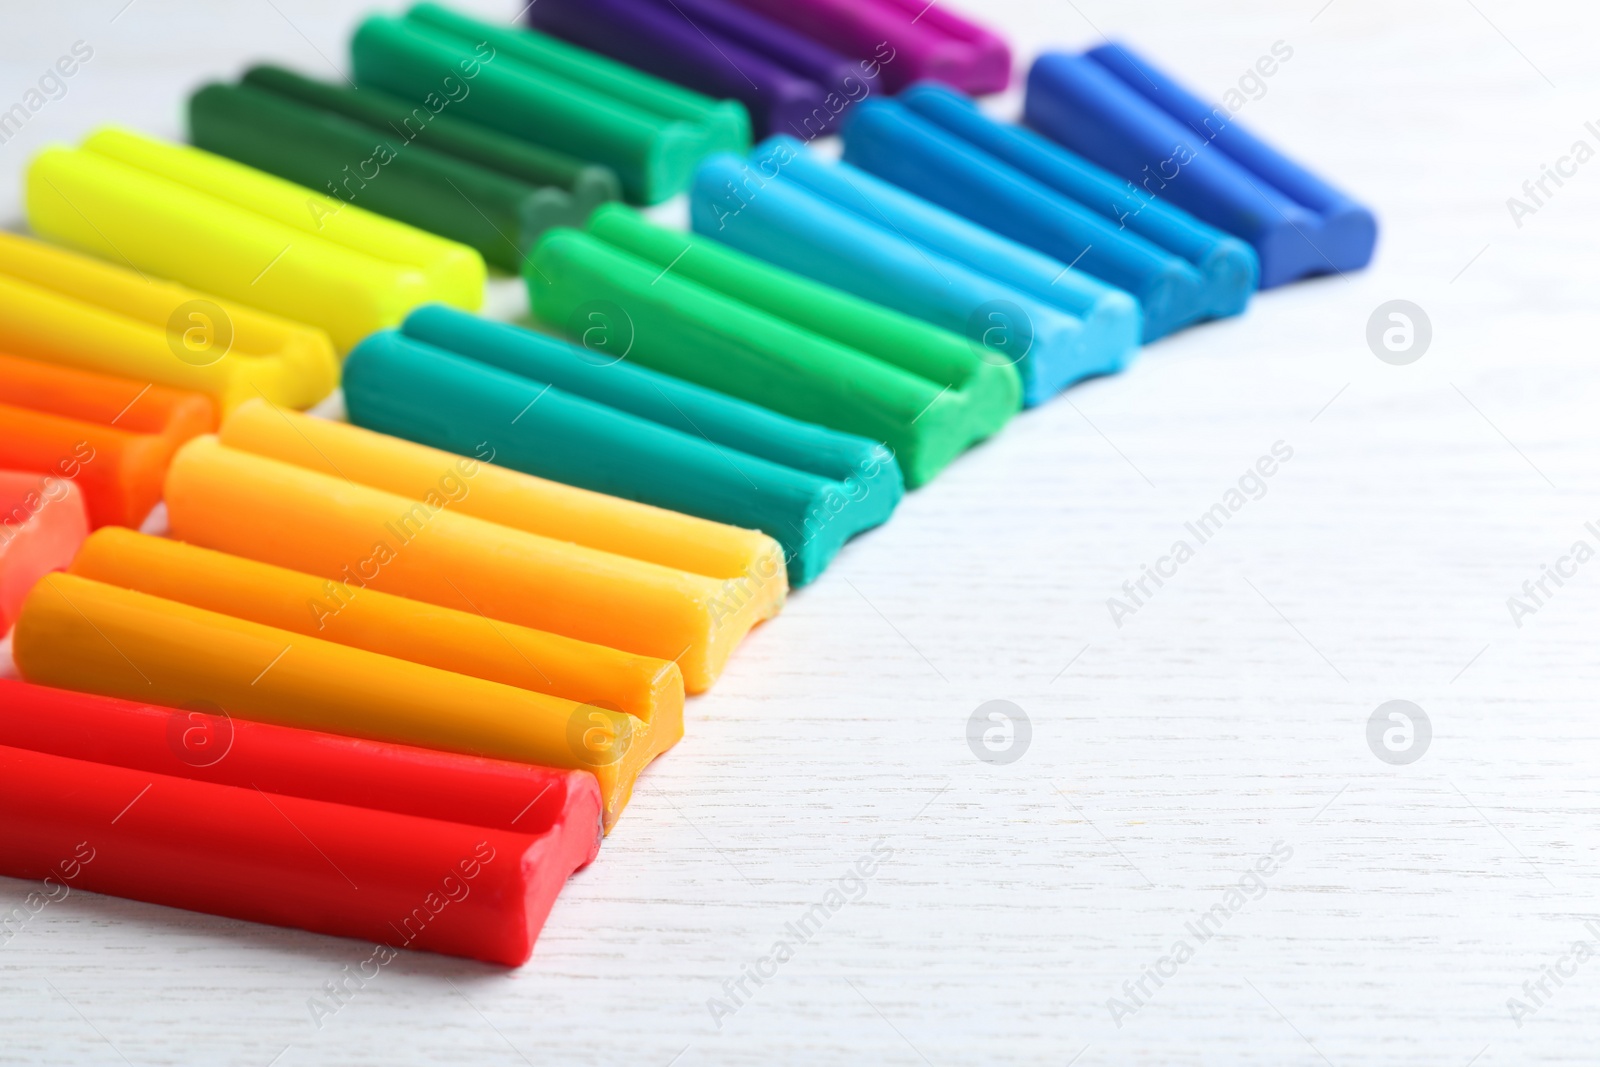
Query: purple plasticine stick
{"x": 790, "y": 83}
{"x": 911, "y": 39}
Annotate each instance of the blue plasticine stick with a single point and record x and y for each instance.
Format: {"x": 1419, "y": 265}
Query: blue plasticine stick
{"x": 1228, "y": 265}
{"x": 548, "y": 408}
{"x": 842, "y": 226}
{"x": 900, "y": 145}
{"x": 1129, "y": 117}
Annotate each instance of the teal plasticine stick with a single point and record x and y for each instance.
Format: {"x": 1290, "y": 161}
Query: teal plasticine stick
{"x": 545, "y": 407}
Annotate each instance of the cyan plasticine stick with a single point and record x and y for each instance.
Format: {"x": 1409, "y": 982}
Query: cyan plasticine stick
{"x": 1227, "y": 265}
{"x": 718, "y": 48}
{"x": 901, "y": 145}
{"x": 1126, "y": 115}
{"x": 698, "y": 310}
{"x": 597, "y": 421}
{"x": 840, "y": 225}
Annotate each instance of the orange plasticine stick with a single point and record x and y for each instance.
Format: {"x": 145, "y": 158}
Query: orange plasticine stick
{"x": 462, "y": 641}
{"x": 74, "y": 633}
{"x": 424, "y": 547}
{"x": 505, "y": 496}
{"x": 113, "y": 437}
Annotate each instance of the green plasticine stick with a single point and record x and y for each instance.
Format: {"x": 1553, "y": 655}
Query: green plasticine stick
{"x": 693, "y": 308}
{"x": 549, "y": 93}
{"x": 498, "y": 215}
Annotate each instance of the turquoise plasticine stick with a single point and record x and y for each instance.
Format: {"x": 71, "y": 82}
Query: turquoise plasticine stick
{"x": 586, "y": 418}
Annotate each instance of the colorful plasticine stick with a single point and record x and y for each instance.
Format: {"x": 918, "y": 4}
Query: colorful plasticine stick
{"x": 1126, "y": 115}
{"x": 839, "y": 225}
{"x": 99, "y": 638}
{"x": 61, "y": 307}
{"x": 789, "y": 83}
{"x": 911, "y": 39}
{"x": 937, "y": 144}
{"x": 550, "y": 93}
{"x": 368, "y": 148}
{"x": 177, "y": 212}
{"x": 506, "y": 497}
{"x": 413, "y": 848}
{"x": 650, "y": 690}
{"x": 42, "y": 523}
{"x": 436, "y": 527}
{"x": 548, "y": 408}
{"x": 700, "y": 311}
{"x": 112, "y": 436}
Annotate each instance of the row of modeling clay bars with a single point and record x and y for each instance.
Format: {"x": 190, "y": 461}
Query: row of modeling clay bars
{"x": 400, "y": 557}
{"x": 466, "y": 622}
{"x": 397, "y": 562}
{"x": 371, "y": 515}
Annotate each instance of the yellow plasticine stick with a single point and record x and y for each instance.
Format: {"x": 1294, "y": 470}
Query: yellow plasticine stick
{"x": 460, "y": 641}
{"x": 509, "y": 497}
{"x": 74, "y": 633}
{"x": 177, "y": 212}
{"x": 424, "y": 549}
{"x": 60, "y": 307}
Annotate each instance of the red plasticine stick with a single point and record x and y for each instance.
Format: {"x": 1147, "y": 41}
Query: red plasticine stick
{"x": 404, "y": 847}
{"x": 42, "y": 523}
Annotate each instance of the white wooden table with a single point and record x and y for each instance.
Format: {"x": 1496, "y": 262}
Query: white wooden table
{"x": 1227, "y": 717}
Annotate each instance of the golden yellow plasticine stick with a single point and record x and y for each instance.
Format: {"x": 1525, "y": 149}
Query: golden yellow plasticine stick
{"x": 422, "y": 546}
{"x": 74, "y": 633}
{"x": 177, "y": 212}
{"x": 649, "y": 689}
{"x": 61, "y": 307}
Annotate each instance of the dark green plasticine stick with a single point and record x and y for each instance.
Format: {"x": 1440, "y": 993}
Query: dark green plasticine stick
{"x": 548, "y": 408}
{"x": 443, "y": 132}
{"x": 549, "y": 93}
{"x": 377, "y": 168}
{"x": 694, "y": 308}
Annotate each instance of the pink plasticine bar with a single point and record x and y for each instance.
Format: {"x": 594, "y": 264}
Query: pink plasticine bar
{"x": 909, "y": 39}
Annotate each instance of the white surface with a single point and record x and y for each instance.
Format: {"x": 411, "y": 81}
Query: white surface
{"x": 1227, "y": 715}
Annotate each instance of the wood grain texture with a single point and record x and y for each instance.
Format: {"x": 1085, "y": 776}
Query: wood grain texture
{"x": 1227, "y": 715}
